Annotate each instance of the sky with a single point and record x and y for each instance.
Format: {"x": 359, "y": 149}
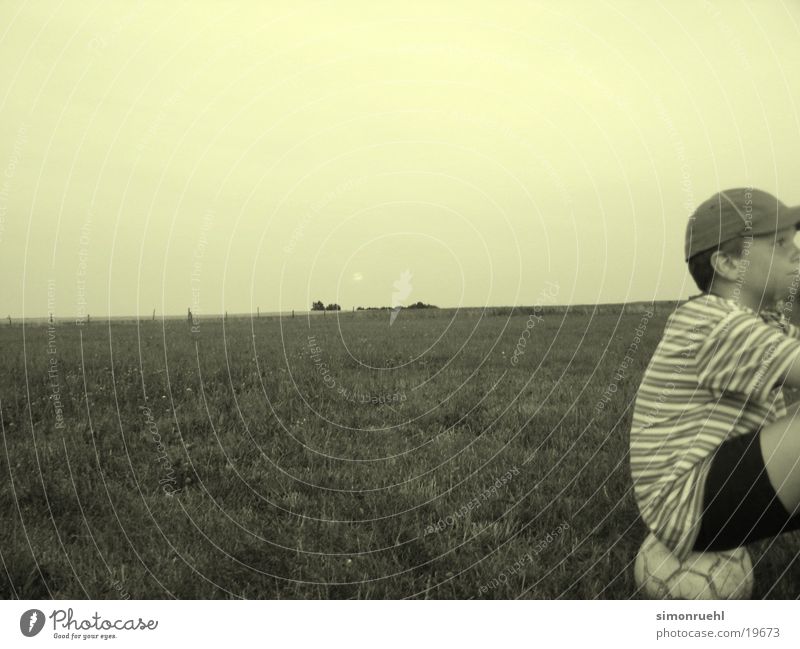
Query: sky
{"x": 242, "y": 155}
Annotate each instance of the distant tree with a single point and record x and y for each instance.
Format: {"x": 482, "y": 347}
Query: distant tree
{"x": 333, "y": 307}
{"x": 318, "y": 306}
{"x": 421, "y": 305}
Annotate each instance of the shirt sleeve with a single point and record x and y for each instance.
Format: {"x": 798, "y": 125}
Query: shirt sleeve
{"x": 792, "y": 330}
{"x": 779, "y": 318}
{"x": 745, "y": 355}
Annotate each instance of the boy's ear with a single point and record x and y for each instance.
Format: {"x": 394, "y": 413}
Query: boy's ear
{"x": 725, "y": 265}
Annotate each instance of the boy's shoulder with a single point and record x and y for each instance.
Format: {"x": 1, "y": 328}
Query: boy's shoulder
{"x": 701, "y": 314}
{"x": 709, "y": 314}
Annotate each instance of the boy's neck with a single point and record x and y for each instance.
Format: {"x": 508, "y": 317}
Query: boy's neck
{"x": 743, "y": 297}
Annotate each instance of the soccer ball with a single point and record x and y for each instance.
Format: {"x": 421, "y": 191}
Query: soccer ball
{"x": 703, "y": 575}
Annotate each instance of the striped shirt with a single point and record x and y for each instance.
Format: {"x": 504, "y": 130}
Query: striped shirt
{"x": 712, "y": 376}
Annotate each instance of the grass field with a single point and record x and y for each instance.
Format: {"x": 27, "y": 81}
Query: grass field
{"x": 247, "y": 459}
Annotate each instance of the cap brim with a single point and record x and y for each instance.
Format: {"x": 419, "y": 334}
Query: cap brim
{"x": 787, "y": 218}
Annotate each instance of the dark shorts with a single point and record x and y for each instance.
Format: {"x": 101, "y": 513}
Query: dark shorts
{"x": 740, "y": 505}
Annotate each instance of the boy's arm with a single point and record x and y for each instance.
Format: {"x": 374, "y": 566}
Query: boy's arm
{"x": 747, "y": 356}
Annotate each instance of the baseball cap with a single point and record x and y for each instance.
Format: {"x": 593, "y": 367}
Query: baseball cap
{"x": 738, "y": 212}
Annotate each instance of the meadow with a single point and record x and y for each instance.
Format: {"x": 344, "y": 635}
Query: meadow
{"x": 329, "y": 457}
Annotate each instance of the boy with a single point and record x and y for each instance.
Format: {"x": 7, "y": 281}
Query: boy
{"x": 715, "y": 457}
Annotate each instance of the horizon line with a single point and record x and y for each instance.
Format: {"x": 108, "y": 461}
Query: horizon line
{"x": 256, "y": 314}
